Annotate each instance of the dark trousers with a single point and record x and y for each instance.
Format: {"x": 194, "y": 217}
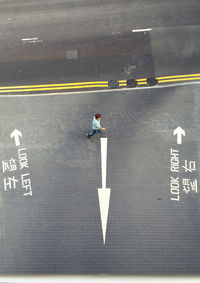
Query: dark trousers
{"x": 94, "y": 132}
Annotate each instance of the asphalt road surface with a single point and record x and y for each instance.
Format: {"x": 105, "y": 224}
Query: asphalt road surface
{"x": 67, "y": 41}
{"x": 50, "y": 212}
{"x": 124, "y": 203}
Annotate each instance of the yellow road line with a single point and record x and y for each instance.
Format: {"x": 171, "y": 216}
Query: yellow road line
{"x": 176, "y": 80}
{"x": 140, "y": 80}
{"x": 54, "y": 88}
{"x": 52, "y": 85}
{"x": 142, "y": 83}
{"x": 178, "y": 76}
{"x": 96, "y": 84}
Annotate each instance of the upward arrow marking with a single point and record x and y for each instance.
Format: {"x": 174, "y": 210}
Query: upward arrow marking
{"x": 104, "y": 193}
{"x": 16, "y": 134}
{"x": 179, "y": 132}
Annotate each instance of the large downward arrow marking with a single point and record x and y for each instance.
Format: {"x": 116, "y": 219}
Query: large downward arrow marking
{"x": 104, "y": 193}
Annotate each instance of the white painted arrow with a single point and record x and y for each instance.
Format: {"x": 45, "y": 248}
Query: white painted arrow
{"x": 104, "y": 193}
{"x": 16, "y": 134}
{"x": 179, "y": 132}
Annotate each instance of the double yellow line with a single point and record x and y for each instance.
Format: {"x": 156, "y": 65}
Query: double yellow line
{"x": 139, "y": 82}
{"x": 178, "y": 78}
{"x": 94, "y": 85}
{"x": 47, "y": 87}
{"x": 168, "y": 79}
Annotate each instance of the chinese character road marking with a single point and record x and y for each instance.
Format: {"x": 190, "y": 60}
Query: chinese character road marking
{"x": 10, "y": 184}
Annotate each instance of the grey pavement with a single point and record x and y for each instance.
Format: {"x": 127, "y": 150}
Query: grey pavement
{"x": 99, "y": 31}
{"x": 58, "y": 229}
{"x": 176, "y": 50}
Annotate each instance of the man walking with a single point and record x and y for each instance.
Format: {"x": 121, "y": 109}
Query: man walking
{"x": 96, "y": 126}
